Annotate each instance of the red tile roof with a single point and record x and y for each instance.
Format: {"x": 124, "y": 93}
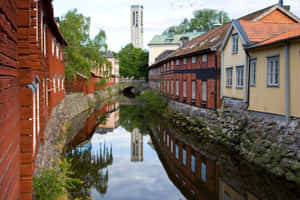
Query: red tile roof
{"x": 282, "y": 37}
{"x": 261, "y": 31}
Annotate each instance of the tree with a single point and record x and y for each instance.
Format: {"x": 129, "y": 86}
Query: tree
{"x": 203, "y": 20}
{"x": 133, "y": 62}
{"x": 82, "y": 52}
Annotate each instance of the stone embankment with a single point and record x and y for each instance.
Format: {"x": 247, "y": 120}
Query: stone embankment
{"x": 67, "y": 119}
{"x": 267, "y": 142}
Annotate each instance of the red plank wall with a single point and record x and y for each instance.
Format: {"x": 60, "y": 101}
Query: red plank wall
{"x": 9, "y": 98}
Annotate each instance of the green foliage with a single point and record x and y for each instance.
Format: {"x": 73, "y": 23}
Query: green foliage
{"x": 82, "y": 53}
{"x": 141, "y": 116}
{"x": 203, "y": 20}
{"x": 133, "y": 62}
{"x": 53, "y": 182}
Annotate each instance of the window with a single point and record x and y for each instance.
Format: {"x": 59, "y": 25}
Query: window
{"x": 240, "y": 77}
{"x": 203, "y": 172}
{"x": 204, "y": 91}
{"x": 204, "y": 58}
{"x": 54, "y": 86}
{"x": 227, "y": 196}
{"x": 193, "y": 90}
{"x": 58, "y": 83}
{"x": 168, "y": 140}
{"x": 177, "y": 152}
{"x": 53, "y": 46}
{"x": 184, "y": 89}
{"x": 184, "y": 61}
{"x": 62, "y": 84}
{"x": 273, "y": 71}
{"x": 168, "y": 87}
{"x": 177, "y": 62}
{"x": 172, "y": 87}
{"x": 193, "y": 164}
{"x": 57, "y": 51}
{"x": 164, "y": 137}
{"x": 45, "y": 40}
{"x": 137, "y": 19}
{"x": 229, "y": 77}
{"x": 133, "y": 18}
{"x": 253, "y": 72}
{"x": 171, "y": 146}
{"x": 177, "y": 88}
{"x": 184, "y": 157}
{"x": 235, "y": 43}
{"x": 172, "y": 63}
{"x": 194, "y": 59}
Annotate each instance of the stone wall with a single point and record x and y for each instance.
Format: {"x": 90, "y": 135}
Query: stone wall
{"x": 67, "y": 119}
{"x": 266, "y": 141}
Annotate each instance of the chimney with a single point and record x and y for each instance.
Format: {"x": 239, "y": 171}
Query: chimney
{"x": 171, "y": 34}
{"x": 183, "y": 40}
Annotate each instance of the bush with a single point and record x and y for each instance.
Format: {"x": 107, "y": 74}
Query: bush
{"x": 52, "y": 183}
{"x": 153, "y": 101}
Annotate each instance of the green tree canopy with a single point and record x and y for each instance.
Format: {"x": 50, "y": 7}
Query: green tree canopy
{"x": 133, "y": 62}
{"x": 203, "y": 20}
{"x": 82, "y": 53}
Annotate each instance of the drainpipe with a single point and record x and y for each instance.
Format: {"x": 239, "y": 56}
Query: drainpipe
{"x": 246, "y": 79}
{"x": 287, "y": 82}
{"x": 222, "y": 75}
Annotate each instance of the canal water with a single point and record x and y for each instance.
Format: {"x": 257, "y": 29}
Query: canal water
{"x": 124, "y": 152}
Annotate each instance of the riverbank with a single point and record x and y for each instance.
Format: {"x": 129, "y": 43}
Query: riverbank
{"x": 67, "y": 119}
{"x": 267, "y": 142}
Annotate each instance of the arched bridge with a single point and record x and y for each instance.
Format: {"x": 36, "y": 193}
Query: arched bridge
{"x": 132, "y": 86}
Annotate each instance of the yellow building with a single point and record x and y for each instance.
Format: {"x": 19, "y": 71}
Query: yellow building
{"x": 248, "y": 30}
{"x": 274, "y": 75}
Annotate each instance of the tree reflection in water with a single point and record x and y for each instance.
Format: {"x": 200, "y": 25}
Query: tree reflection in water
{"x": 91, "y": 167}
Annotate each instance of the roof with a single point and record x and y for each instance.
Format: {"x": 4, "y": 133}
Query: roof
{"x": 163, "y": 39}
{"x": 261, "y": 31}
{"x": 290, "y": 35}
{"x": 257, "y": 15}
{"x": 210, "y": 41}
{"x": 136, "y": 6}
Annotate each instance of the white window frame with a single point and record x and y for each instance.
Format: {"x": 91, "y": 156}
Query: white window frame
{"x": 194, "y": 60}
{"x": 57, "y": 50}
{"x": 184, "y": 87}
{"x": 45, "y": 39}
{"x": 42, "y": 32}
{"x": 58, "y": 83}
{"x": 253, "y": 64}
{"x": 229, "y": 73}
{"x": 38, "y": 107}
{"x": 204, "y": 58}
{"x": 185, "y": 61}
{"x": 193, "y": 90}
{"x": 34, "y": 122}
{"x": 168, "y": 87}
{"x": 273, "y": 73}
{"x": 177, "y": 62}
{"x": 172, "y": 147}
{"x": 239, "y": 77}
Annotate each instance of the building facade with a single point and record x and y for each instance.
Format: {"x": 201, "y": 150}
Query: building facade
{"x": 191, "y": 74}
{"x": 27, "y": 88}
{"x": 274, "y": 70}
{"x": 137, "y": 26}
{"x": 164, "y": 44}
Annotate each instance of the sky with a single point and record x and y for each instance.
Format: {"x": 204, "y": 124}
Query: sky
{"x": 113, "y": 16}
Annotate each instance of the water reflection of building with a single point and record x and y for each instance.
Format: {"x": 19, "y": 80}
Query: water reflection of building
{"x": 90, "y": 125}
{"x": 136, "y": 146}
{"x": 196, "y": 175}
{"x": 112, "y": 119}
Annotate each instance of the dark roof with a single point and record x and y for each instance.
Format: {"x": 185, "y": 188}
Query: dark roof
{"x": 210, "y": 41}
{"x": 164, "y": 54}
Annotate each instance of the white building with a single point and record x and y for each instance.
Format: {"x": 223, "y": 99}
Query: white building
{"x": 137, "y": 27}
{"x": 136, "y": 146}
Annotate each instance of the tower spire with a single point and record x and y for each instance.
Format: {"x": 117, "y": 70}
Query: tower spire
{"x": 281, "y": 2}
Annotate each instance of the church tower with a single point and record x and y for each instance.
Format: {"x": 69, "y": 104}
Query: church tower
{"x": 137, "y": 26}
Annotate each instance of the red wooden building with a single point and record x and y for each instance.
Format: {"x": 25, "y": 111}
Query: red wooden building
{"x": 31, "y": 84}
{"x": 192, "y": 73}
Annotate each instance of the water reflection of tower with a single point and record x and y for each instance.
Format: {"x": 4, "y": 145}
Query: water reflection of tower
{"x": 136, "y": 146}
